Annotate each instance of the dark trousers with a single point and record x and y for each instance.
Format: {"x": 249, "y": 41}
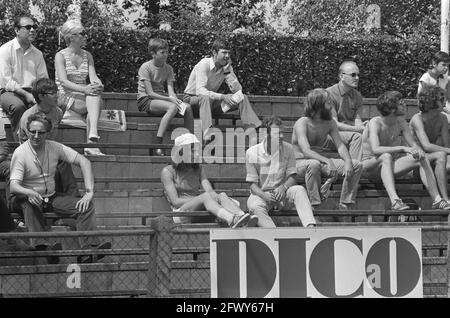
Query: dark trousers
{"x": 14, "y": 105}
{"x": 6, "y": 221}
{"x": 64, "y": 206}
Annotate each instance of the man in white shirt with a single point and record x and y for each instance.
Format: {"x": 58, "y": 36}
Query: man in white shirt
{"x": 21, "y": 64}
{"x": 204, "y": 82}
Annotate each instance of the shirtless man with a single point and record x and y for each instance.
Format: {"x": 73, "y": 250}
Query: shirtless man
{"x": 383, "y": 153}
{"x": 430, "y": 129}
{"x": 309, "y": 135}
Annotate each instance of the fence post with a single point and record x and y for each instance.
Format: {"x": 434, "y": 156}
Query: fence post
{"x": 160, "y": 257}
{"x": 448, "y": 262}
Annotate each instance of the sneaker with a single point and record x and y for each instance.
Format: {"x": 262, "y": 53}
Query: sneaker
{"x": 343, "y": 207}
{"x": 399, "y": 205}
{"x": 441, "y": 205}
{"x": 253, "y": 221}
{"x": 240, "y": 220}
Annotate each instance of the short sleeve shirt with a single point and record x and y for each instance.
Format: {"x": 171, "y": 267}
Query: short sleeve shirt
{"x": 269, "y": 171}
{"x": 157, "y": 76}
{"x": 345, "y": 104}
{"x": 32, "y": 173}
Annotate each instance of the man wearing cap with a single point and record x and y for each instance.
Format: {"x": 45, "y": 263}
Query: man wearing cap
{"x": 271, "y": 171}
{"x": 346, "y": 110}
{"x": 21, "y": 63}
{"x": 206, "y": 79}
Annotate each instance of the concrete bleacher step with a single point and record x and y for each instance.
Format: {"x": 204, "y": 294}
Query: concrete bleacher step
{"x": 148, "y": 200}
{"x": 138, "y": 132}
{"x": 263, "y": 105}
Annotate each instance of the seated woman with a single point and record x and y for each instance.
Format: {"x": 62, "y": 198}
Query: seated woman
{"x": 181, "y": 186}
{"x": 74, "y": 66}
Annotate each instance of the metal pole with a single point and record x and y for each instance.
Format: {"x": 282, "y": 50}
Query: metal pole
{"x": 444, "y": 25}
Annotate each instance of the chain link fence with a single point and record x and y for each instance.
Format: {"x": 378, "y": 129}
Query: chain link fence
{"x": 162, "y": 260}
{"x": 435, "y": 261}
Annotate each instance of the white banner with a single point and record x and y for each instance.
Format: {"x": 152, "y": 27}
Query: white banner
{"x": 316, "y": 262}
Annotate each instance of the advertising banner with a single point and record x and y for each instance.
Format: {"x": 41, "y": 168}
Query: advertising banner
{"x": 316, "y": 262}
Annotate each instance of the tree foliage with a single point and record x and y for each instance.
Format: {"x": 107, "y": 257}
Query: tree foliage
{"x": 53, "y": 12}
{"x": 401, "y": 18}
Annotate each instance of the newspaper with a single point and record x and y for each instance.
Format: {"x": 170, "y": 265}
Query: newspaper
{"x": 237, "y": 98}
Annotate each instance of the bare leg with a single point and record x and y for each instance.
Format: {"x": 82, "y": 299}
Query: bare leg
{"x": 189, "y": 119}
{"x": 169, "y": 110}
{"x": 229, "y": 205}
{"x": 440, "y": 171}
{"x": 211, "y": 205}
{"x": 93, "y": 104}
{"x": 387, "y": 173}
{"x": 405, "y": 164}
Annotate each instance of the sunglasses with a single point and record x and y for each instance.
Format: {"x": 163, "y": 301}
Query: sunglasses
{"x": 82, "y": 33}
{"x": 352, "y": 74}
{"x": 29, "y": 27}
{"x": 39, "y": 132}
{"x": 49, "y": 93}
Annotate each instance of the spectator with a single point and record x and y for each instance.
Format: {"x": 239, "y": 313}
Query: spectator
{"x": 346, "y": 111}
{"x": 45, "y": 93}
{"x": 308, "y": 138}
{"x": 33, "y": 167}
{"x": 21, "y": 63}
{"x": 204, "y": 82}
{"x": 430, "y": 129}
{"x": 74, "y": 67}
{"x": 437, "y": 74}
{"x": 271, "y": 171}
{"x": 385, "y": 156}
{"x": 153, "y": 97}
{"x": 182, "y": 182}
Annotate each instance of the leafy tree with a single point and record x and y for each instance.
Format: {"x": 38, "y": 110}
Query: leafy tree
{"x": 401, "y": 18}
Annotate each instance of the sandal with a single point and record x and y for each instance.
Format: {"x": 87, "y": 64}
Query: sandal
{"x": 94, "y": 138}
{"x": 93, "y": 152}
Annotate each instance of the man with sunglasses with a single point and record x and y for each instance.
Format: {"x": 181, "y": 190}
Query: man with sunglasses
{"x": 21, "y": 63}
{"x": 45, "y": 93}
{"x": 347, "y": 101}
{"x": 33, "y": 167}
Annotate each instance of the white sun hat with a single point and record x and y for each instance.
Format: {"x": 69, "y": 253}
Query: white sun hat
{"x": 186, "y": 139}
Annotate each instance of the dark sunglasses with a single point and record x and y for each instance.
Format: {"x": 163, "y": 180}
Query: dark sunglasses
{"x": 33, "y": 132}
{"x": 29, "y": 26}
{"x": 49, "y": 93}
{"x": 352, "y": 74}
{"x": 83, "y": 33}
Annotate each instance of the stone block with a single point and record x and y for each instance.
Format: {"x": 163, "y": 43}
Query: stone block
{"x": 262, "y": 109}
{"x": 140, "y": 204}
{"x": 144, "y": 170}
{"x": 281, "y": 109}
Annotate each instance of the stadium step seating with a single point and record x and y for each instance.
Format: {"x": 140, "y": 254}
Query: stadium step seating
{"x": 129, "y": 194}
